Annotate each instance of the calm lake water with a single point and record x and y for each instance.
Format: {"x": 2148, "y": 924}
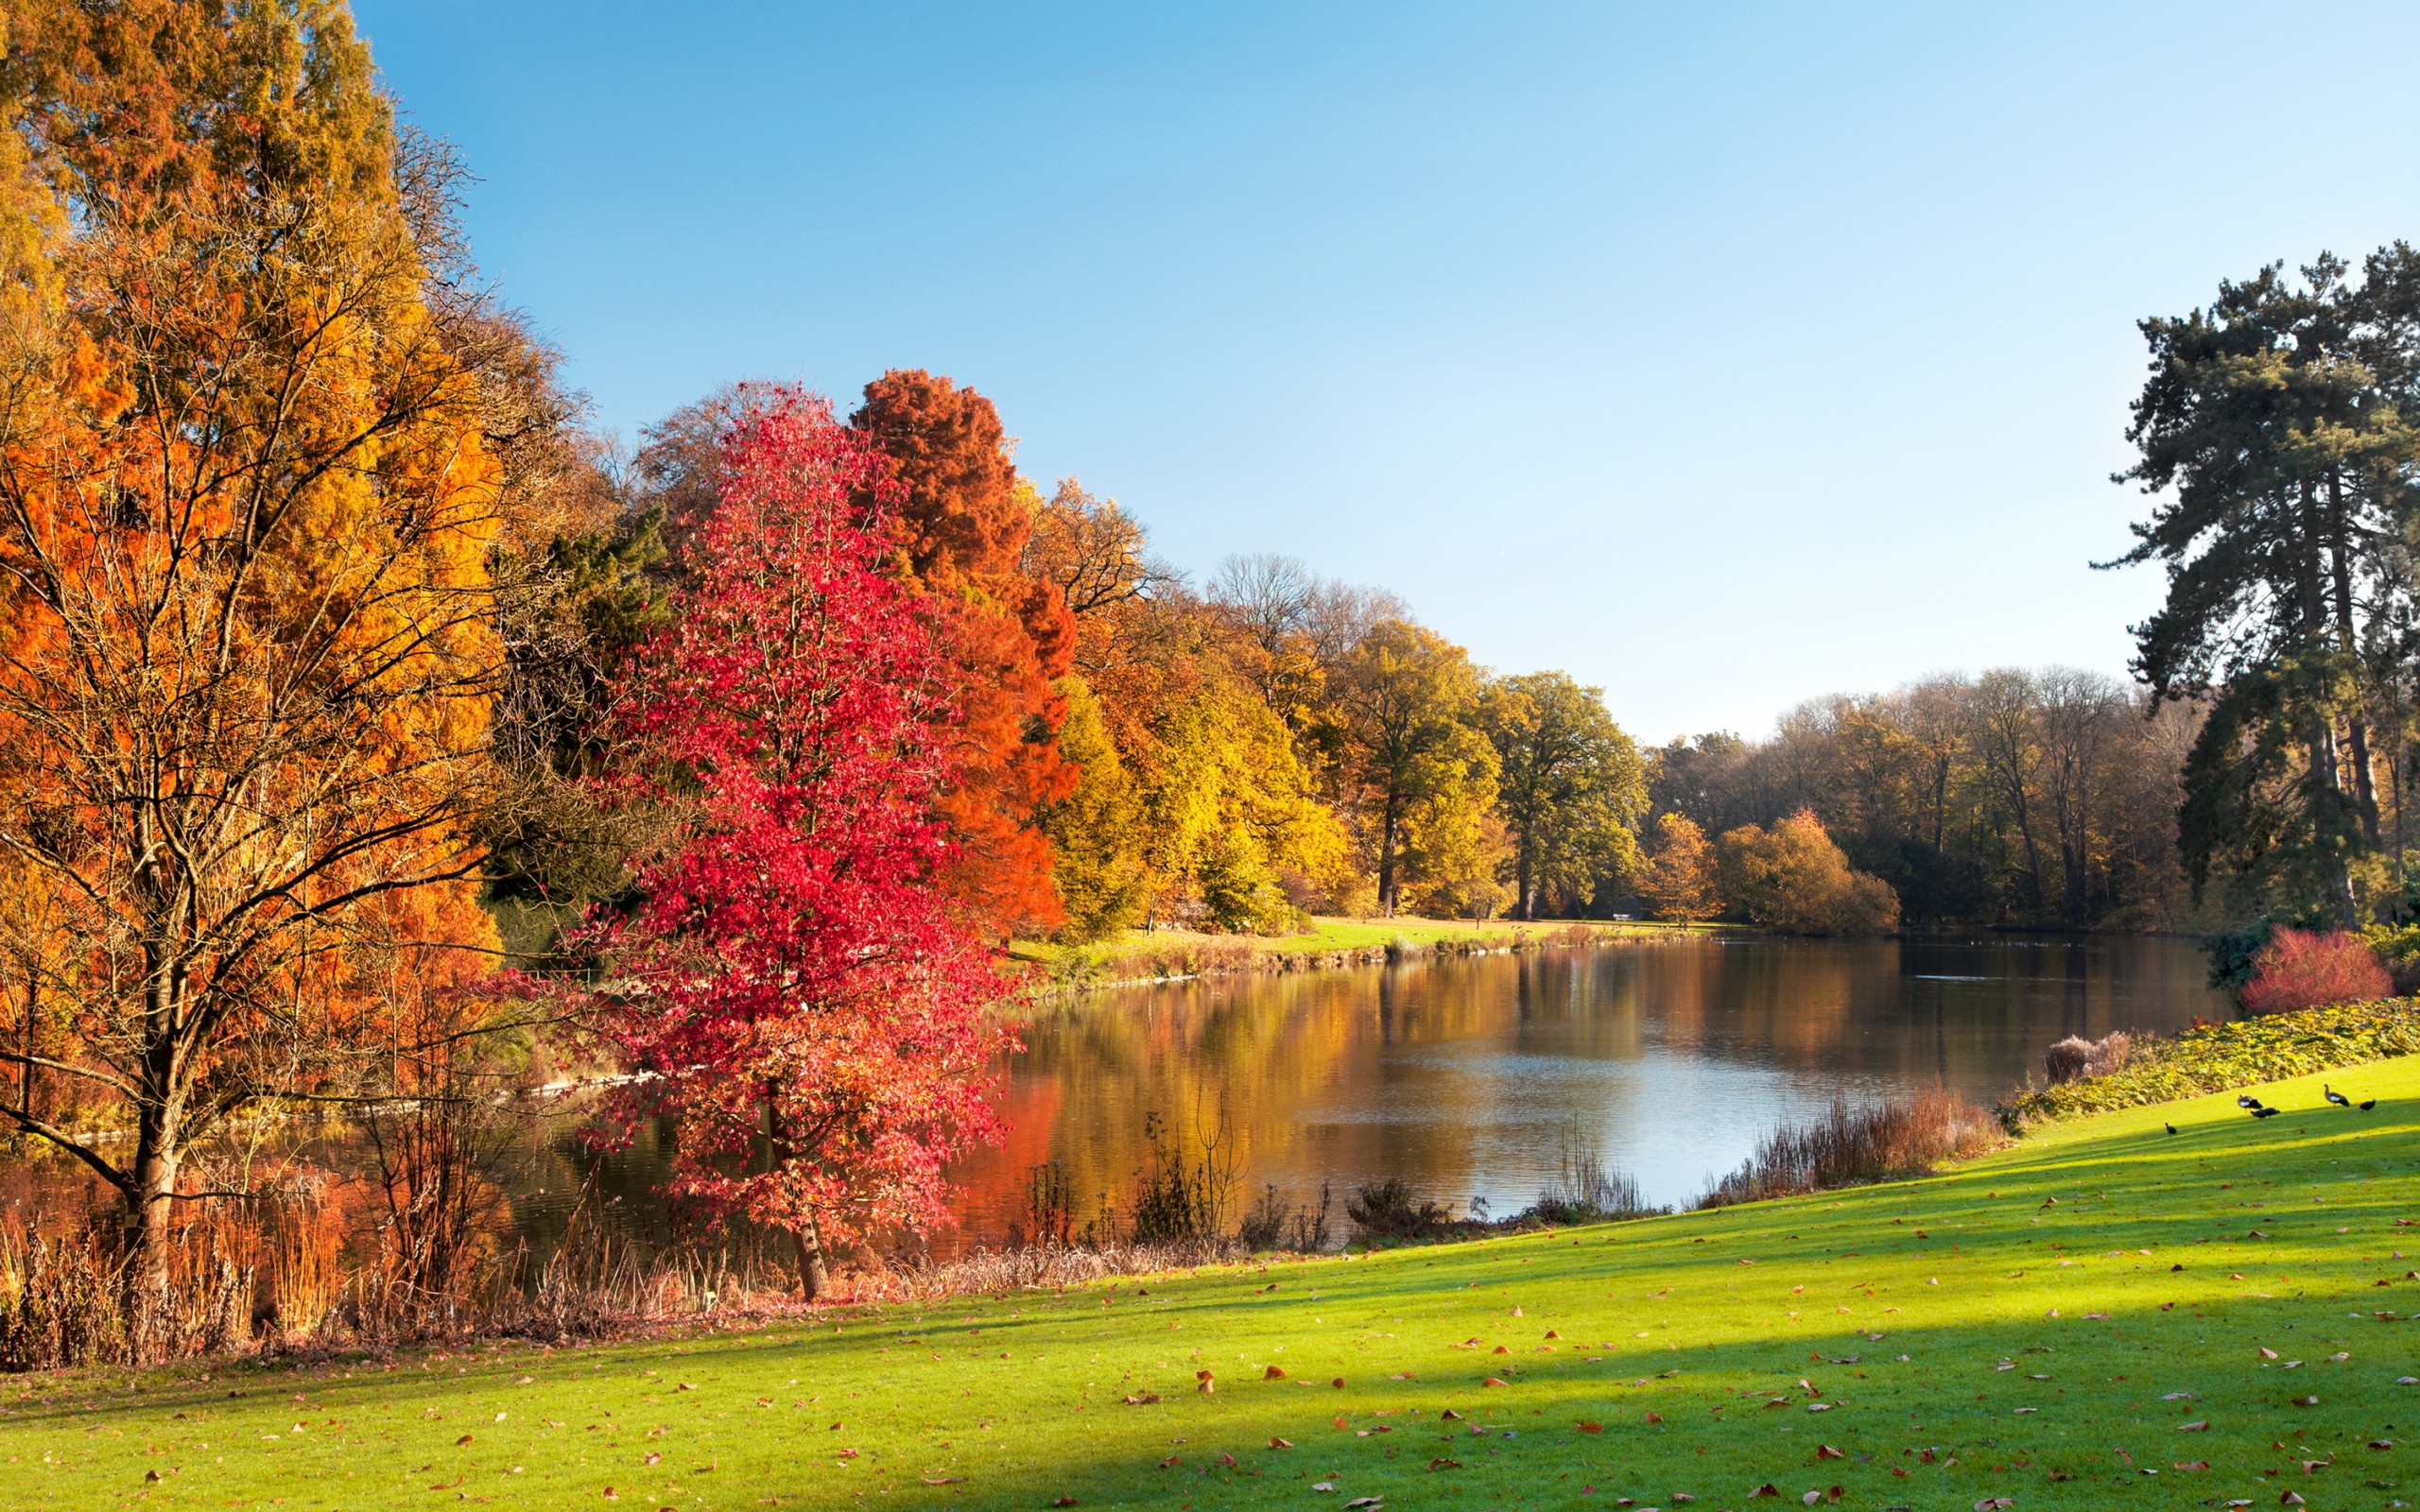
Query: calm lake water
{"x": 1462, "y": 1076}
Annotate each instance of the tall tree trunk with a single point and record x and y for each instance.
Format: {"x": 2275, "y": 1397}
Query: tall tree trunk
{"x": 28, "y": 1044}
{"x": 2326, "y": 793}
{"x": 2326, "y": 799}
{"x": 1387, "y": 857}
{"x": 2357, "y": 733}
{"x": 1528, "y": 899}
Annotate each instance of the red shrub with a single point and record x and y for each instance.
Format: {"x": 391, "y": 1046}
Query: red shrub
{"x": 2300, "y": 969}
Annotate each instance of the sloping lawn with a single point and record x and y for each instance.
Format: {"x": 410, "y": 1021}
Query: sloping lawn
{"x": 2087, "y": 1319}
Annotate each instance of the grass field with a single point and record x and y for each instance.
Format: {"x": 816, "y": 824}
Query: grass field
{"x": 2102, "y": 1315}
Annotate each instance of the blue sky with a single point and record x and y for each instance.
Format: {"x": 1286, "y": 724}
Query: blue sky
{"x": 1724, "y": 355}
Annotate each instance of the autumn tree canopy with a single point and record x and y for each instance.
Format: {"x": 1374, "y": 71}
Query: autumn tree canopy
{"x": 247, "y": 508}
{"x": 959, "y": 531}
{"x": 1570, "y": 784}
{"x": 805, "y": 1002}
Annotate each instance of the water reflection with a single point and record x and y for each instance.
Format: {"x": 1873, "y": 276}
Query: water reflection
{"x": 1459, "y": 1075}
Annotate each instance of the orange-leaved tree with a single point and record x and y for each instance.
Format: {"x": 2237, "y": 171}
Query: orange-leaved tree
{"x": 246, "y": 652}
{"x": 1679, "y": 881}
{"x": 959, "y": 525}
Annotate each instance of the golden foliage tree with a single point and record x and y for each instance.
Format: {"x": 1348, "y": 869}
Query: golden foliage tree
{"x": 1679, "y": 882}
{"x": 1417, "y": 776}
{"x": 245, "y": 643}
{"x": 1794, "y": 878}
{"x": 1193, "y": 804}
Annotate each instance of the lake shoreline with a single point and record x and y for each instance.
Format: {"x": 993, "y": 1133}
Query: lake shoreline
{"x": 1157, "y": 958}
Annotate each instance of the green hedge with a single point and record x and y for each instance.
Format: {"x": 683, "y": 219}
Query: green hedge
{"x": 2242, "y": 1053}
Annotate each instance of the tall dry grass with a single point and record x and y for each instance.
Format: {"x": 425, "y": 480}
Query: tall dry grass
{"x": 1853, "y": 1144}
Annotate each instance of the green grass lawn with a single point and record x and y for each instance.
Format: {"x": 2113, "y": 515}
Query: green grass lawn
{"x": 2102, "y": 1315}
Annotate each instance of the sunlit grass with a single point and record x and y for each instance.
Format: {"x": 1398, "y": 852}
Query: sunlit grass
{"x": 1327, "y": 935}
{"x": 2020, "y": 1319}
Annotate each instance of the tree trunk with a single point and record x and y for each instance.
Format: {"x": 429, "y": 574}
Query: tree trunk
{"x": 27, "y": 1046}
{"x": 814, "y": 1276}
{"x": 2326, "y": 799}
{"x": 1386, "y": 858}
{"x": 1528, "y": 899}
{"x": 2348, "y": 644}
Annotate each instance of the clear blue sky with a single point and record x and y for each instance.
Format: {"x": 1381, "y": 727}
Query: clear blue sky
{"x": 1722, "y": 355}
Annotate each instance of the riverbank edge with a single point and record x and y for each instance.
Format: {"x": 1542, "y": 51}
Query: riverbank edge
{"x": 1082, "y": 1446}
{"x": 1147, "y": 958}
{"x": 2226, "y": 1056}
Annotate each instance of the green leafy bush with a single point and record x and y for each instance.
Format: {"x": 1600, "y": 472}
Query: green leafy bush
{"x": 2215, "y": 1058}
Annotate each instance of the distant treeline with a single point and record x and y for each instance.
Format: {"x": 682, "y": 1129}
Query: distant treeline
{"x": 2019, "y": 797}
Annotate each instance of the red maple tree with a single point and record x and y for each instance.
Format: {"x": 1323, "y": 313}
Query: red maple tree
{"x": 794, "y": 987}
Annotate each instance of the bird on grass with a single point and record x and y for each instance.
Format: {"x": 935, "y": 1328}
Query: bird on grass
{"x": 2366, "y": 1103}
{"x": 2266, "y": 1112}
{"x": 2246, "y": 1100}
{"x": 2334, "y": 1096}
{"x": 2171, "y": 1129}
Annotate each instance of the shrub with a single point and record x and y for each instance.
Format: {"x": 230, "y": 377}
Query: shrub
{"x": 1584, "y": 1189}
{"x": 2299, "y": 968}
{"x": 1390, "y": 1210}
{"x": 2075, "y": 1056}
{"x": 1794, "y": 878}
{"x": 2220, "y": 1056}
{"x": 2398, "y": 950}
{"x": 1852, "y": 1145}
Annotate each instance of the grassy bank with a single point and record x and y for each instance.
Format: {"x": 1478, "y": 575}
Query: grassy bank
{"x": 2087, "y": 1318}
{"x": 1136, "y": 954}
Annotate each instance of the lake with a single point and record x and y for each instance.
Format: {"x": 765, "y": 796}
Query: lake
{"x": 1462, "y": 1076}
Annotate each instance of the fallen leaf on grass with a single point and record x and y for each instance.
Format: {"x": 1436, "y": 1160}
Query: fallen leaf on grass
{"x": 1367, "y": 1501}
{"x": 2306, "y": 1401}
{"x": 941, "y": 1480}
{"x": 1273, "y": 1373}
{"x": 1827, "y": 1451}
{"x": 459, "y": 1442}
{"x": 1337, "y": 1382}
{"x": 1280, "y": 1443}
{"x": 2193, "y": 1426}
{"x": 650, "y": 1459}
{"x": 1445, "y": 1464}
{"x": 1590, "y": 1428}
{"x": 1994, "y": 1504}
{"x": 1654, "y": 1416}
{"x": 1493, "y": 1382}
{"x": 1171, "y": 1462}
{"x": 1765, "y": 1489}
{"x": 2192, "y": 1463}
{"x": 1450, "y": 1415}
{"x": 1065, "y": 1501}
{"x": 1144, "y": 1400}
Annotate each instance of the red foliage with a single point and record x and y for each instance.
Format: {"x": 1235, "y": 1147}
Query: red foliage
{"x": 805, "y": 1002}
{"x": 2299, "y": 968}
{"x": 959, "y": 529}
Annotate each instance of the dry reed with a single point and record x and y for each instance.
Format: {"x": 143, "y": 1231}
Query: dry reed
{"x": 1852, "y": 1145}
